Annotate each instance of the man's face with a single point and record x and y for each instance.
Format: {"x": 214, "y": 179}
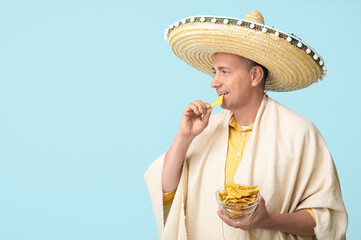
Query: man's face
{"x": 232, "y": 78}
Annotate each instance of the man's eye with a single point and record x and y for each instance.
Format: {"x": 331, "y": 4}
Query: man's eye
{"x": 225, "y": 72}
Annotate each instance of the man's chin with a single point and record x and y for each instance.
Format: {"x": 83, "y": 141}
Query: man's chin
{"x": 223, "y": 106}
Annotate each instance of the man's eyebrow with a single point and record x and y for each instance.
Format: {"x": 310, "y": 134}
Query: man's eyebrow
{"x": 221, "y": 67}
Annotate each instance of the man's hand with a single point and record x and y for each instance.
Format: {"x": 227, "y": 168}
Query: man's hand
{"x": 259, "y": 219}
{"x": 195, "y": 119}
{"x": 299, "y": 223}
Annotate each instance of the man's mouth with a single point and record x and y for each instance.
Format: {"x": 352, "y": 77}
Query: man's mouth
{"x": 223, "y": 93}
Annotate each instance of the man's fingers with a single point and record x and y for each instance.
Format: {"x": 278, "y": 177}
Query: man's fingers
{"x": 204, "y": 104}
{"x": 193, "y": 108}
{"x": 226, "y": 219}
{"x": 207, "y": 115}
{"x": 198, "y": 107}
{"x": 222, "y": 216}
{"x": 201, "y": 106}
{"x": 243, "y": 224}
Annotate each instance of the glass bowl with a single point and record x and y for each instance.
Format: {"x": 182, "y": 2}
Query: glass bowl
{"x": 236, "y": 211}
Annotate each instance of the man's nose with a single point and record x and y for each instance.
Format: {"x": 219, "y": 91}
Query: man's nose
{"x": 215, "y": 82}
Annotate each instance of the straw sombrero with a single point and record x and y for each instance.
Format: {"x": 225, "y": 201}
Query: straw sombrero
{"x": 292, "y": 64}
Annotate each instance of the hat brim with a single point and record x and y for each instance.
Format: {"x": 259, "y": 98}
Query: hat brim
{"x": 290, "y": 67}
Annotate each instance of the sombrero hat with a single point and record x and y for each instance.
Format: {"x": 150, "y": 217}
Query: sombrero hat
{"x": 292, "y": 64}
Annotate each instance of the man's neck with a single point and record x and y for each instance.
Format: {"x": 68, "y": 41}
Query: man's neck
{"x": 246, "y": 115}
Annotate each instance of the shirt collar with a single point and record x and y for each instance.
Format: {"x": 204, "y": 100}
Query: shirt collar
{"x": 233, "y": 123}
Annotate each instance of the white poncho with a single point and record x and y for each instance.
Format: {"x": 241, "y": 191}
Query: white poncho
{"x": 286, "y": 157}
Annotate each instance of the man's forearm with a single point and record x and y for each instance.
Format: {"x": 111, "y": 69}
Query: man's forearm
{"x": 174, "y": 161}
{"x": 299, "y": 223}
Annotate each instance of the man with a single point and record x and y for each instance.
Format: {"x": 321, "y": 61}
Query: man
{"x": 254, "y": 141}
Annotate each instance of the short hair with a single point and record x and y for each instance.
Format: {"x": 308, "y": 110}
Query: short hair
{"x": 250, "y": 64}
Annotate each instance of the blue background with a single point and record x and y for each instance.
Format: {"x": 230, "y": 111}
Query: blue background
{"x": 91, "y": 94}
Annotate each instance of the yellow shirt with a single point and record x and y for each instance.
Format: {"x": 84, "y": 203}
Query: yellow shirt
{"x": 237, "y": 143}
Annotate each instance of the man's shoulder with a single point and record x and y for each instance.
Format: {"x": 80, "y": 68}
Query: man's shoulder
{"x": 288, "y": 117}
{"x": 287, "y": 125}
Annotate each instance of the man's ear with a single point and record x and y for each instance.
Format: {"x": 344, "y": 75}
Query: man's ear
{"x": 257, "y": 76}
